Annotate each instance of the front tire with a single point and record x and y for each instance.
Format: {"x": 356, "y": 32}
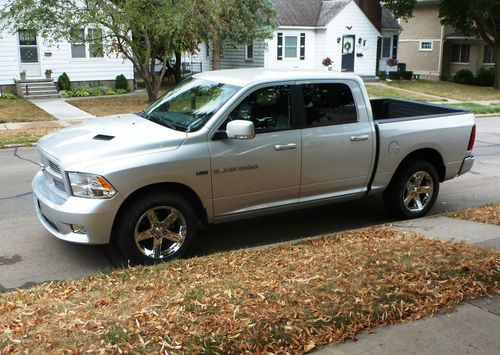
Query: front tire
{"x": 413, "y": 190}
{"x": 157, "y": 227}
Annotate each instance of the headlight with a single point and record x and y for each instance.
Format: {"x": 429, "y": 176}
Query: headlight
{"x": 90, "y": 186}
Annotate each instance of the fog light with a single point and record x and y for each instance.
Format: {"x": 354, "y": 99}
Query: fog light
{"x": 78, "y": 229}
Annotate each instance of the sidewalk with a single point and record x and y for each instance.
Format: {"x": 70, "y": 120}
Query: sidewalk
{"x": 61, "y": 109}
{"x": 472, "y": 328}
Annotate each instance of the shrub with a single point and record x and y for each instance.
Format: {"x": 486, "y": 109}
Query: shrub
{"x": 464, "y": 76}
{"x": 394, "y": 75}
{"x": 327, "y": 62}
{"x": 82, "y": 93}
{"x": 96, "y": 92}
{"x": 121, "y": 82}
{"x": 8, "y": 96}
{"x": 382, "y": 74}
{"x": 121, "y": 91}
{"x": 63, "y": 82}
{"x": 486, "y": 77}
{"x": 407, "y": 75}
{"x": 109, "y": 92}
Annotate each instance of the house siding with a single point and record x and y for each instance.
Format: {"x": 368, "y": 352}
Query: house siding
{"x": 272, "y": 62}
{"x": 9, "y": 58}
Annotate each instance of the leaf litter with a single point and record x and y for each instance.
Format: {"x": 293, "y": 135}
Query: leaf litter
{"x": 287, "y": 299}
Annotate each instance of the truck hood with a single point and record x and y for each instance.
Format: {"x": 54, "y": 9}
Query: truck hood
{"x": 109, "y": 138}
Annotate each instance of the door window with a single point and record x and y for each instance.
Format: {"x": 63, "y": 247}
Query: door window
{"x": 269, "y": 109}
{"x": 28, "y": 46}
{"x": 329, "y": 104}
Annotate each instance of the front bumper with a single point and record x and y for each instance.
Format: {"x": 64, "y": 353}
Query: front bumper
{"x": 58, "y": 215}
{"x": 467, "y": 165}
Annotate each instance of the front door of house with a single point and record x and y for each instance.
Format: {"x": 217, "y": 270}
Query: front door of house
{"x": 348, "y": 46}
{"x": 28, "y": 50}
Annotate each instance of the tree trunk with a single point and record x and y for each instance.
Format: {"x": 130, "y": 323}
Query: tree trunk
{"x": 151, "y": 86}
{"x": 497, "y": 64}
{"x": 216, "y": 52}
{"x": 178, "y": 68}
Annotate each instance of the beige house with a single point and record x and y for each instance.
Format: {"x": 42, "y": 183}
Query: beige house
{"x": 436, "y": 51}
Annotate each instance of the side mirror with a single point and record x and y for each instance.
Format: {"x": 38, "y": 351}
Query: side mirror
{"x": 240, "y": 129}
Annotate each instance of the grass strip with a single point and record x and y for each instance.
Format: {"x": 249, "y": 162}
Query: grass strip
{"x": 477, "y": 108}
{"x": 20, "y": 110}
{"x": 485, "y": 214}
{"x": 290, "y": 298}
{"x": 22, "y": 136}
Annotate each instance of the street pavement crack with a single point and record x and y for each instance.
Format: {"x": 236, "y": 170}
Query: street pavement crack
{"x": 15, "y": 196}
{"x": 483, "y": 308}
{"x": 25, "y": 159}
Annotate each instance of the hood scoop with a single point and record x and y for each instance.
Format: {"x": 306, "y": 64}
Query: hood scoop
{"x": 103, "y": 137}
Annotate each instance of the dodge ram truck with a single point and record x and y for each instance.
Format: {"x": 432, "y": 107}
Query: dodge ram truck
{"x": 235, "y": 144}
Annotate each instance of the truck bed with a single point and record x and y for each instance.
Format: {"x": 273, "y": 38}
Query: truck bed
{"x": 393, "y": 110}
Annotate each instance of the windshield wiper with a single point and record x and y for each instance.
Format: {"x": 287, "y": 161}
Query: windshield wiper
{"x": 160, "y": 121}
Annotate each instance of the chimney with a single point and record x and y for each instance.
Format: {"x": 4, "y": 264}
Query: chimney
{"x": 373, "y": 11}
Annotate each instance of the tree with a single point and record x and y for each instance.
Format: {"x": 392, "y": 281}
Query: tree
{"x": 472, "y": 17}
{"x": 241, "y": 22}
{"x": 139, "y": 30}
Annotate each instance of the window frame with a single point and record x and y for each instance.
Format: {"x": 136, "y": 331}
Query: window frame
{"x": 32, "y": 45}
{"x": 461, "y": 46}
{"x": 297, "y": 46}
{"x": 247, "y": 57}
{"x": 492, "y": 62}
{"x": 390, "y": 46}
{"x": 422, "y": 49}
{"x": 75, "y": 43}
{"x": 93, "y": 42}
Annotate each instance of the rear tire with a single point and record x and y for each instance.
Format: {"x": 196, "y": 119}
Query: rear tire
{"x": 413, "y": 190}
{"x": 157, "y": 227}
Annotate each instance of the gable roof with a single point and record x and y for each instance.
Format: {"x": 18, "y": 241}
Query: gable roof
{"x": 388, "y": 21}
{"x": 308, "y": 13}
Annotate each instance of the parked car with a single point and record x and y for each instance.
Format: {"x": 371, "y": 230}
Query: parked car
{"x": 236, "y": 144}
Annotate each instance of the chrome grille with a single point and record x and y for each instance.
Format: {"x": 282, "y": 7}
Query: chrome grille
{"x": 55, "y": 168}
{"x": 59, "y": 184}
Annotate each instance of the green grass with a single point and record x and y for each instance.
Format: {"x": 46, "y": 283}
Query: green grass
{"x": 477, "y": 108}
{"x": 448, "y": 89}
{"x": 379, "y": 91}
{"x": 23, "y": 137}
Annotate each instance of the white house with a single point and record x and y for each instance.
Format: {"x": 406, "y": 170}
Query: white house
{"x": 84, "y": 63}
{"x": 313, "y": 30}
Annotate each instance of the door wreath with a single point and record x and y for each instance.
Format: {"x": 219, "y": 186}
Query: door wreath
{"x": 347, "y": 47}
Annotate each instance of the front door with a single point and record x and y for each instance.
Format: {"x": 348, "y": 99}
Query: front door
{"x": 348, "y": 46}
{"x": 28, "y": 50}
{"x": 263, "y": 172}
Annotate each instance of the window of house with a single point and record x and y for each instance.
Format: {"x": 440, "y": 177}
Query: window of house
{"x": 426, "y": 46}
{"x": 460, "y": 53}
{"x": 249, "y": 52}
{"x": 269, "y": 109}
{"x": 386, "y": 47}
{"x": 95, "y": 43}
{"x": 78, "y": 43}
{"x": 291, "y": 46}
{"x": 489, "y": 55}
{"x": 28, "y": 46}
{"x": 329, "y": 104}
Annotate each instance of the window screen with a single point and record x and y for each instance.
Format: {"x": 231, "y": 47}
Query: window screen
{"x": 78, "y": 44}
{"x": 269, "y": 109}
{"x": 329, "y": 104}
{"x": 460, "y": 53}
{"x": 290, "y": 47}
{"x": 386, "y": 47}
{"x": 95, "y": 46}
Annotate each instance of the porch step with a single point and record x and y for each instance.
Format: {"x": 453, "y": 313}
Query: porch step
{"x": 42, "y": 96}
{"x": 38, "y": 88}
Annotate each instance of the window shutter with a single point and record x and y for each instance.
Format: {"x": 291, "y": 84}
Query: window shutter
{"x": 302, "y": 46}
{"x": 395, "y": 46}
{"x": 280, "y": 46}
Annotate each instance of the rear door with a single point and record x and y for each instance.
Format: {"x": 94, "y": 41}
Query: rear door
{"x": 263, "y": 172}
{"x": 338, "y": 140}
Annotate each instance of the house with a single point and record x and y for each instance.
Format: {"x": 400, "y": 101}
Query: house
{"x": 349, "y": 32}
{"x": 438, "y": 51}
{"x": 86, "y": 64}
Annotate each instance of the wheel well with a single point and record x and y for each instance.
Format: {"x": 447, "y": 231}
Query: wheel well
{"x": 181, "y": 189}
{"x": 430, "y": 155}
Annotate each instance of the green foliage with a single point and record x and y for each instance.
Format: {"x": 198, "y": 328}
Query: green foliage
{"x": 122, "y": 91}
{"x": 382, "y": 74}
{"x": 96, "y": 92}
{"x": 486, "y": 77}
{"x": 121, "y": 82}
{"x": 63, "y": 82}
{"x": 407, "y": 75}
{"x": 394, "y": 75}
{"x": 464, "y": 76}
{"x": 82, "y": 93}
{"x": 109, "y": 92}
{"x": 8, "y": 96}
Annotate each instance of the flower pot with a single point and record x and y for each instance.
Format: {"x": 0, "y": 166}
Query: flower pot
{"x": 23, "y": 75}
{"x": 48, "y": 76}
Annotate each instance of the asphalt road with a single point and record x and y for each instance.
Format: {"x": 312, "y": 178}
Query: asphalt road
{"x": 29, "y": 254}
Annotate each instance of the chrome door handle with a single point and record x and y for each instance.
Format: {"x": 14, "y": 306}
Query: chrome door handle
{"x": 360, "y": 138}
{"x": 285, "y": 146}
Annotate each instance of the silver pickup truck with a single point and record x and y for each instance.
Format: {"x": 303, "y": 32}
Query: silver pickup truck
{"x": 236, "y": 144}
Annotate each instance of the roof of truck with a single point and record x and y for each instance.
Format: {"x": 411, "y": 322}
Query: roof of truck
{"x": 244, "y": 77}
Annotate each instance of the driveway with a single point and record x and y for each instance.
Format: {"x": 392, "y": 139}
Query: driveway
{"x": 29, "y": 254}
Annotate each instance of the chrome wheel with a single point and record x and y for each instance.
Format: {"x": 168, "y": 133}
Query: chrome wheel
{"x": 160, "y": 232}
{"x": 418, "y": 192}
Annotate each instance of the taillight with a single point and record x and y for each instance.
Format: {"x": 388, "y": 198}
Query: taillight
{"x": 472, "y": 139}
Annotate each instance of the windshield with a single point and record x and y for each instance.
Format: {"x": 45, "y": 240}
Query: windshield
{"x": 188, "y": 106}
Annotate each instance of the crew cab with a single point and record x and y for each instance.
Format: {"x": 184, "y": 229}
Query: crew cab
{"x": 235, "y": 144}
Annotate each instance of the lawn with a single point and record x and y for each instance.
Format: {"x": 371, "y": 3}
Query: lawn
{"x": 379, "y": 91}
{"x": 477, "y": 108}
{"x": 20, "y": 110}
{"x": 112, "y": 105}
{"x": 22, "y": 136}
{"x": 484, "y": 214}
{"x": 292, "y": 298}
{"x": 449, "y": 90}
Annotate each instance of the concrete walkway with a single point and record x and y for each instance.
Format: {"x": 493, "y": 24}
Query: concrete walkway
{"x": 472, "y": 328}
{"x": 61, "y": 109}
